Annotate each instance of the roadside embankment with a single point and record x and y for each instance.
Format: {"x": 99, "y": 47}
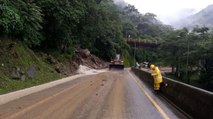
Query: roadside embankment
{"x": 22, "y": 67}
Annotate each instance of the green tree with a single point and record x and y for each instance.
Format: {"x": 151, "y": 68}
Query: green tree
{"x": 173, "y": 51}
{"x": 61, "y": 18}
{"x": 101, "y": 27}
{"x": 31, "y": 18}
{"x": 10, "y": 20}
{"x": 204, "y": 56}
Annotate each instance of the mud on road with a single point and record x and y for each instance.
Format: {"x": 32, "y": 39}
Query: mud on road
{"x": 109, "y": 95}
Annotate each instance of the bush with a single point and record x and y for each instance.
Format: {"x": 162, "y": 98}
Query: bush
{"x": 10, "y": 20}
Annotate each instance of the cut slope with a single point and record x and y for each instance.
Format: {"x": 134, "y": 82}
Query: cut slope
{"x": 21, "y": 68}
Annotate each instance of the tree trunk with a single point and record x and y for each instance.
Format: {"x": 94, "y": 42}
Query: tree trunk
{"x": 173, "y": 69}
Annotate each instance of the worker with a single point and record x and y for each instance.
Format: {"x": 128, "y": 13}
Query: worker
{"x": 157, "y": 77}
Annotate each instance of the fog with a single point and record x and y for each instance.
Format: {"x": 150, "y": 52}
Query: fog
{"x": 120, "y": 2}
{"x": 169, "y": 11}
{"x": 176, "y": 16}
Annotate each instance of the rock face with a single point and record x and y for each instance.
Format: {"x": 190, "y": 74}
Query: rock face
{"x": 81, "y": 57}
{"x": 84, "y": 53}
{"x": 66, "y": 68}
{"x": 31, "y": 72}
{"x": 84, "y": 57}
{"x": 18, "y": 74}
{"x": 51, "y": 60}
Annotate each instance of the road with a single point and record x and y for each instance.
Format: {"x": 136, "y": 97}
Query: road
{"x": 108, "y": 95}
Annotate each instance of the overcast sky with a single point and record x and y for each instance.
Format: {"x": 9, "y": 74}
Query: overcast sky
{"x": 169, "y": 11}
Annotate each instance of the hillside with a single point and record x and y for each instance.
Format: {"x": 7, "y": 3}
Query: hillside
{"x": 20, "y": 67}
{"x": 202, "y": 18}
{"x": 49, "y": 35}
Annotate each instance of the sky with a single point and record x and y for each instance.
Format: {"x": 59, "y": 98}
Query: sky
{"x": 169, "y": 11}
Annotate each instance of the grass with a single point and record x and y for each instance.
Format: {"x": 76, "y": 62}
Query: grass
{"x": 22, "y": 57}
{"x": 128, "y": 61}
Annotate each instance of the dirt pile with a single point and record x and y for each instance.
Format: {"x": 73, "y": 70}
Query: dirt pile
{"x": 82, "y": 57}
{"x": 66, "y": 68}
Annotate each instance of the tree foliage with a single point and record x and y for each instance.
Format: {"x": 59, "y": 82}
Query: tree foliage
{"x": 21, "y": 19}
{"x": 103, "y": 27}
{"x": 31, "y": 18}
{"x": 190, "y": 55}
{"x": 60, "y": 21}
{"x": 10, "y": 20}
{"x": 66, "y": 24}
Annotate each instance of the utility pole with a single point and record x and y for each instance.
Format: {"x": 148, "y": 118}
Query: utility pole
{"x": 134, "y": 50}
{"x": 134, "y": 53}
{"x": 187, "y": 61}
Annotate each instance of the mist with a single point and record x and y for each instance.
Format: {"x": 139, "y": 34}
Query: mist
{"x": 173, "y": 18}
{"x": 170, "y": 19}
{"x": 169, "y": 11}
{"x": 121, "y": 3}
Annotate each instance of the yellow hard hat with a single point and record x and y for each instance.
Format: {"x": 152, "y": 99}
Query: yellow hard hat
{"x": 152, "y": 66}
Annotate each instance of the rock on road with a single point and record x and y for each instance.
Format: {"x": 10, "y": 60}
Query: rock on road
{"x": 108, "y": 95}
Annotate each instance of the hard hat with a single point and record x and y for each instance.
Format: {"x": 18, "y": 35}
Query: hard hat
{"x": 152, "y": 66}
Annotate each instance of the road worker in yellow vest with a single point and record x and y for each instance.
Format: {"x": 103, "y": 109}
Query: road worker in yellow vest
{"x": 157, "y": 77}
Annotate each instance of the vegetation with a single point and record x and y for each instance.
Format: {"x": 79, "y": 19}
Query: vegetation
{"x": 190, "y": 55}
{"x": 64, "y": 25}
{"x": 16, "y": 57}
{"x": 61, "y": 26}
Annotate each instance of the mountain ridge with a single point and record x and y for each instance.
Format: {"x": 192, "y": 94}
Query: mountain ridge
{"x": 201, "y": 18}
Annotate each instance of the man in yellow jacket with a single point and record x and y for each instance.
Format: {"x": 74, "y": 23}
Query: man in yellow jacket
{"x": 157, "y": 77}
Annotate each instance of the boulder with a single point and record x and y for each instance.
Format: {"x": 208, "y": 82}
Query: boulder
{"x": 51, "y": 60}
{"x": 31, "y": 72}
{"x": 18, "y": 74}
{"x": 85, "y": 53}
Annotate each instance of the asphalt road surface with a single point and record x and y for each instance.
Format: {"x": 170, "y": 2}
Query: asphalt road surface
{"x": 108, "y": 95}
